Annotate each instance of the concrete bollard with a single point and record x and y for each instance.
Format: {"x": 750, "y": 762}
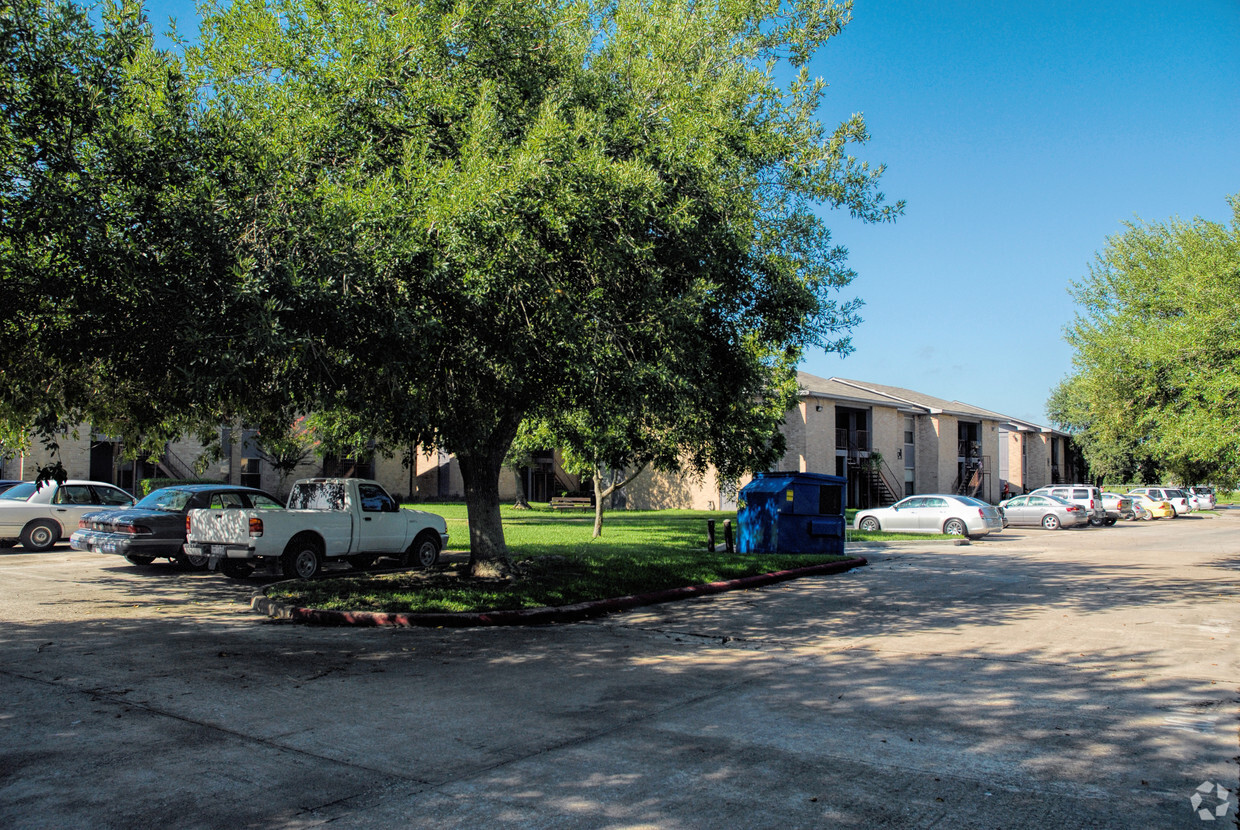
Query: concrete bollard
{"x": 727, "y": 535}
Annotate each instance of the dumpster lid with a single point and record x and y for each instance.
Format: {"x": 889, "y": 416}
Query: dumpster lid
{"x": 778, "y": 481}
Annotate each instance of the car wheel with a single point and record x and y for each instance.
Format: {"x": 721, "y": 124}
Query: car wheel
{"x": 39, "y": 536}
{"x": 1111, "y": 522}
{"x": 1050, "y": 522}
{"x": 303, "y": 558}
{"x": 424, "y": 552}
{"x": 869, "y": 524}
{"x": 1095, "y": 522}
{"x": 236, "y": 569}
{"x": 138, "y": 559}
{"x": 362, "y": 561}
{"x": 955, "y": 527}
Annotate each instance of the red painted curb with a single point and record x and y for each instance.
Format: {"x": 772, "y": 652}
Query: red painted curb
{"x": 541, "y": 616}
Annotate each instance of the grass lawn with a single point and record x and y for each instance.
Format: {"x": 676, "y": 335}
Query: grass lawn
{"x": 639, "y": 551}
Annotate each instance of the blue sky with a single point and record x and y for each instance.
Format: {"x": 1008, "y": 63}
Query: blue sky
{"x": 1021, "y": 135}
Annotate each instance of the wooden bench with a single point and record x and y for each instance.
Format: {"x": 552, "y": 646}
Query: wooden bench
{"x": 571, "y": 503}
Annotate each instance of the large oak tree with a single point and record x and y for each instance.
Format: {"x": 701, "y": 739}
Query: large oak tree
{"x": 438, "y": 220}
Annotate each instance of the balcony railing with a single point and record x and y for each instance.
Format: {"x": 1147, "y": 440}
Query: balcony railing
{"x": 855, "y": 440}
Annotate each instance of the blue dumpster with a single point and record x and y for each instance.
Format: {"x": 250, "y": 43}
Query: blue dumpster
{"x": 792, "y": 513}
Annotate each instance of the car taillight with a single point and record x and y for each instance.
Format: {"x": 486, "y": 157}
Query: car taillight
{"x": 137, "y": 530}
{"x": 1075, "y": 508}
{"x": 981, "y": 513}
{"x": 256, "y": 526}
{"x": 186, "y": 524}
{"x": 83, "y": 524}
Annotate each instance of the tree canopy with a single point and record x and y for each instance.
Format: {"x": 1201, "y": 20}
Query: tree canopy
{"x": 436, "y": 221}
{"x": 1155, "y": 387}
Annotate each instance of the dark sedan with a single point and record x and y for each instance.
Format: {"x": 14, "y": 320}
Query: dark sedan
{"x": 154, "y": 528}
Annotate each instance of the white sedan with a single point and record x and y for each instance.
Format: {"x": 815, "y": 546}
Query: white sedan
{"x": 934, "y": 513}
{"x": 40, "y": 516}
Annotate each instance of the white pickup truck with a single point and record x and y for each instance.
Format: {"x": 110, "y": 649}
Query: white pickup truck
{"x": 327, "y": 518}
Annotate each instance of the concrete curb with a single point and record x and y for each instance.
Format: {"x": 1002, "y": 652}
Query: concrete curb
{"x": 538, "y": 616}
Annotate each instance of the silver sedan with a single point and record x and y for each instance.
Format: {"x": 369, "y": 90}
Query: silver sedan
{"x": 934, "y": 513}
{"x": 1050, "y": 512}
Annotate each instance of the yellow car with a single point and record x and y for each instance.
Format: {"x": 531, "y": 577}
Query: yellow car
{"x": 1156, "y": 508}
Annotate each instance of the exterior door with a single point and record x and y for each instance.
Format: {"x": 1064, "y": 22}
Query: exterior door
{"x": 383, "y": 526}
{"x": 932, "y": 516}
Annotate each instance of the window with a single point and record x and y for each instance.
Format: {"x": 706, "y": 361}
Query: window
{"x": 111, "y": 495}
{"x": 226, "y": 501}
{"x": 374, "y": 500}
{"x": 251, "y": 472}
{"x": 317, "y": 495}
{"x": 261, "y": 502}
{"x": 74, "y": 494}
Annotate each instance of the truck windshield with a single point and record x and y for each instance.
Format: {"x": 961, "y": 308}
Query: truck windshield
{"x": 317, "y": 495}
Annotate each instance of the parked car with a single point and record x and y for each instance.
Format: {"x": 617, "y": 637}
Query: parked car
{"x": 1041, "y": 510}
{"x": 154, "y": 528}
{"x": 335, "y": 519}
{"x": 1156, "y": 508}
{"x": 933, "y": 513}
{"x": 1177, "y": 498}
{"x": 1086, "y": 495}
{"x": 1207, "y": 496}
{"x": 38, "y": 514}
{"x": 1118, "y": 507}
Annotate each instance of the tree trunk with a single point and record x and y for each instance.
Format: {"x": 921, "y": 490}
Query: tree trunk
{"x": 598, "y": 502}
{"x": 600, "y": 494}
{"x": 480, "y": 468}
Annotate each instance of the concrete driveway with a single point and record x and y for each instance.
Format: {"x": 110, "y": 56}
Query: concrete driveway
{"x": 1082, "y": 678}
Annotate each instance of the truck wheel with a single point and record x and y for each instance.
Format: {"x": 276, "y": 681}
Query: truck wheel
{"x": 39, "y": 536}
{"x": 303, "y": 558}
{"x": 138, "y": 559}
{"x": 236, "y": 569}
{"x": 423, "y": 553}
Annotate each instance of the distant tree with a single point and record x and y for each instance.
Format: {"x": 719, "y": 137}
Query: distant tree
{"x": 724, "y": 412}
{"x": 286, "y": 451}
{"x": 1156, "y": 369}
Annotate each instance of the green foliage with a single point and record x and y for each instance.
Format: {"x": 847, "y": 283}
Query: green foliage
{"x": 1155, "y": 390}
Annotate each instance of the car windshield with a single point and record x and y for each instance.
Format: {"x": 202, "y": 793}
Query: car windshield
{"x": 1057, "y": 499}
{"x": 1175, "y": 494}
{"x": 19, "y": 492}
{"x": 971, "y": 501}
{"x": 167, "y": 499}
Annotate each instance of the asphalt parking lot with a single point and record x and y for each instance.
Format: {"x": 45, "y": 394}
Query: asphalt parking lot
{"x": 1084, "y": 678}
